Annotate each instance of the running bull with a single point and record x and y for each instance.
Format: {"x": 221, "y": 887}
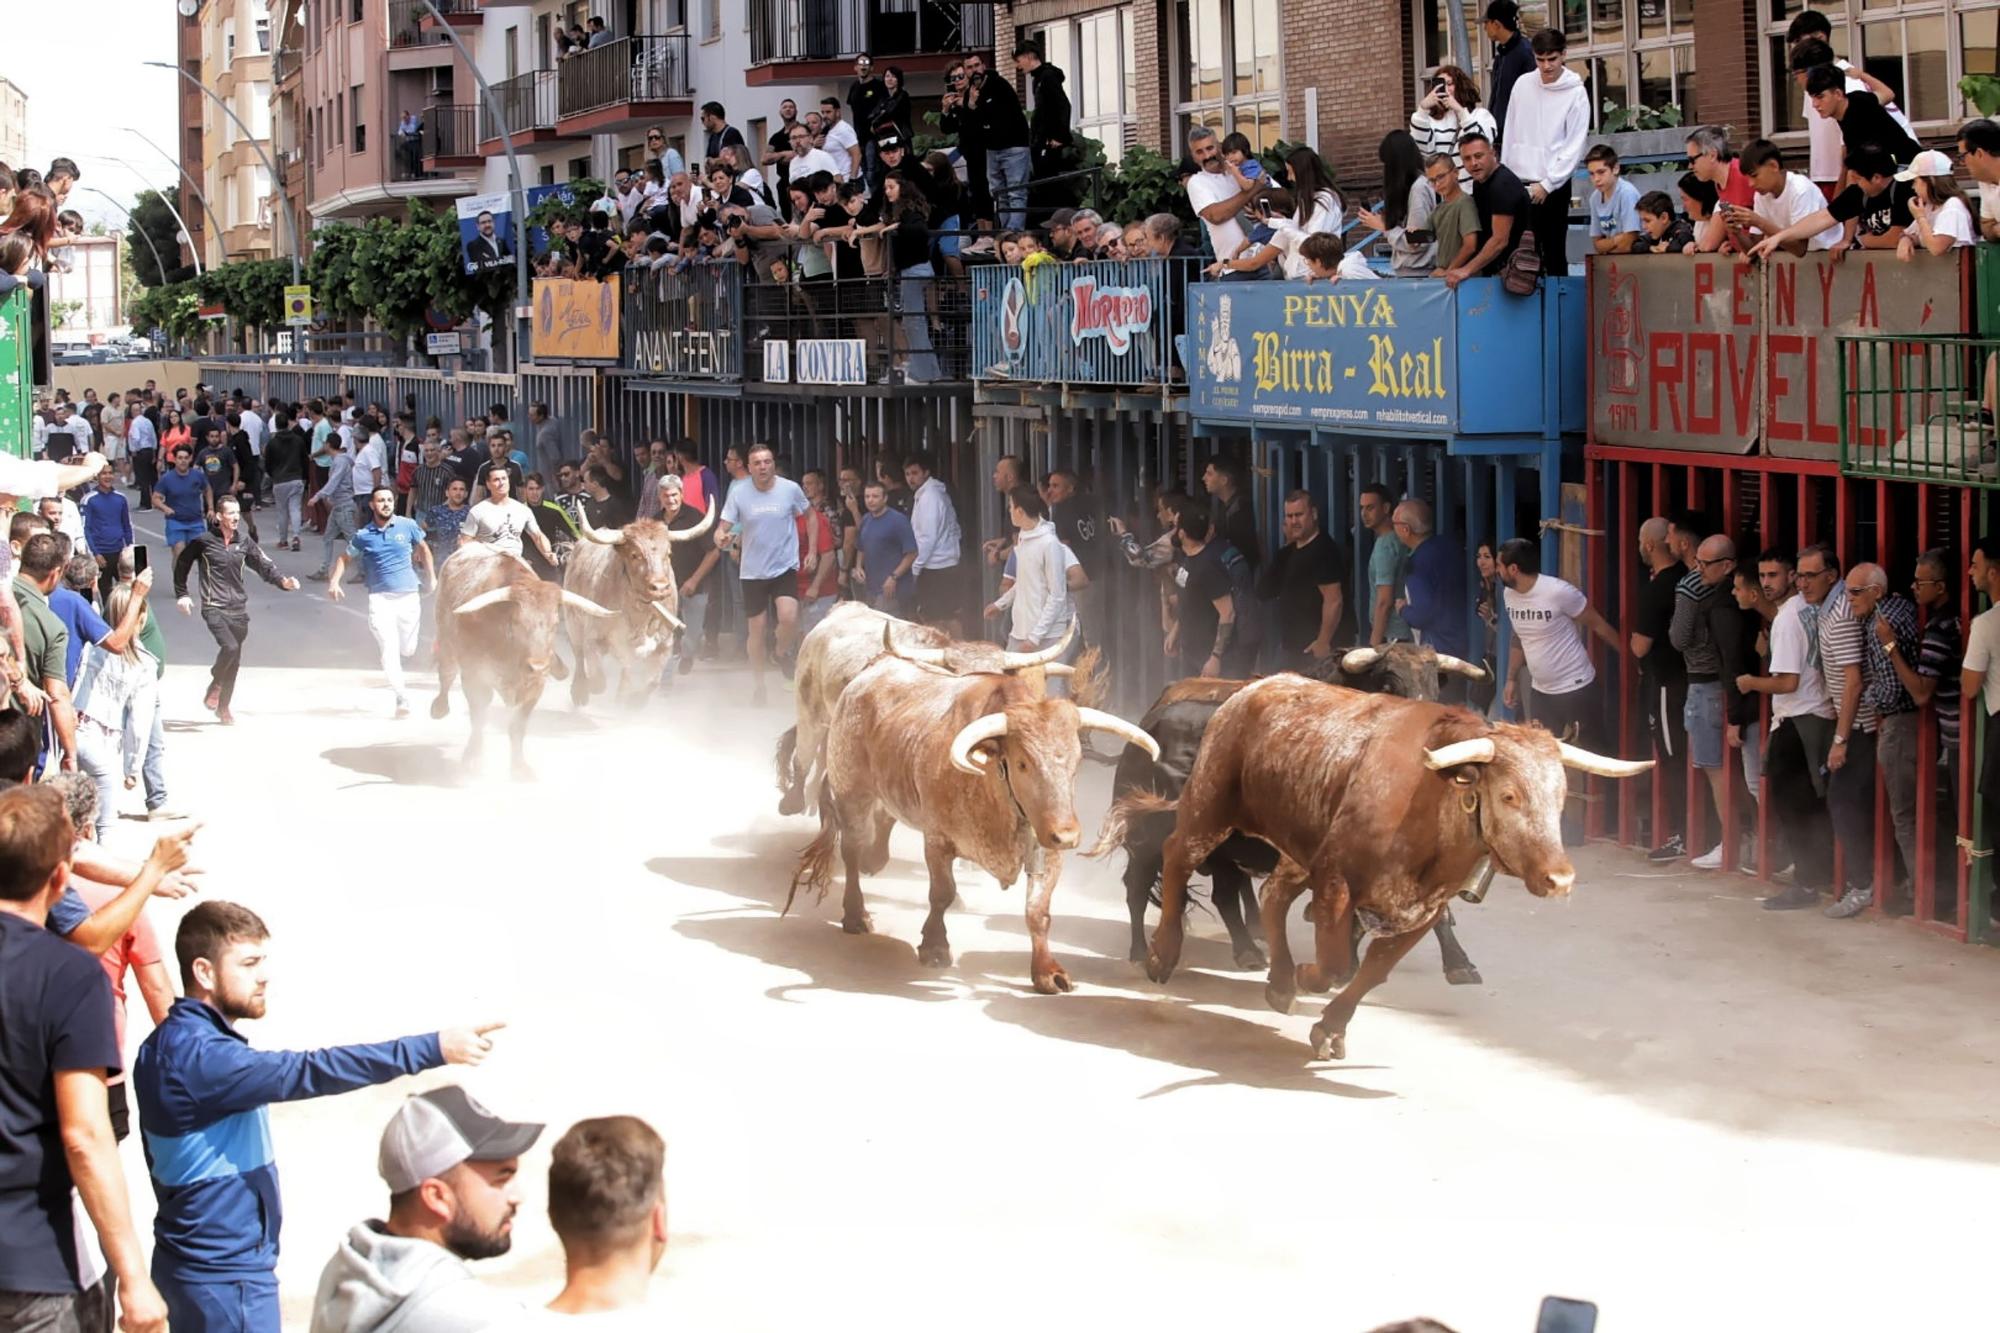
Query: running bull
{"x": 631, "y": 571}
{"x": 983, "y": 765}
{"x": 836, "y": 651}
{"x": 1384, "y": 807}
{"x": 497, "y": 626}
{"x": 1177, "y": 722}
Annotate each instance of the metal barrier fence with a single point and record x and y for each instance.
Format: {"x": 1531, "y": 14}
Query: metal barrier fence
{"x": 451, "y": 130}
{"x": 1914, "y": 408}
{"x": 685, "y": 325}
{"x": 1102, "y": 322}
{"x": 628, "y": 69}
{"x": 865, "y": 331}
{"x": 527, "y": 101}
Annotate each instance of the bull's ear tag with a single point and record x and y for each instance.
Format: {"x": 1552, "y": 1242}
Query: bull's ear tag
{"x": 1464, "y": 776}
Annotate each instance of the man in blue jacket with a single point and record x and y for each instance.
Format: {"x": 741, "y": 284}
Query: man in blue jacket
{"x": 1434, "y": 604}
{"x": 107, "y": 528}
{"x": 204, "y": 1097}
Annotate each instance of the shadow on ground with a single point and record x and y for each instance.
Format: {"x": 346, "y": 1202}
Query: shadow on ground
{"x": 831, "y": 960}
{"x": 409, "y": 765}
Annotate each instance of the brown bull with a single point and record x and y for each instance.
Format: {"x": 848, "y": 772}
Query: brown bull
{"x": 852, "y": 636}
{"x": 629, "y": 571}
{"x": 983, "y": 765}
{"x": 497, "y": 627}
{"x": 1383, "y": 807}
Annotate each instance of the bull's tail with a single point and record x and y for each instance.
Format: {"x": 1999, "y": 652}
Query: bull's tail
{"x": 1137, "y": 816}
{"x": 815, "y": 868}
{"x": 787, "y": 758}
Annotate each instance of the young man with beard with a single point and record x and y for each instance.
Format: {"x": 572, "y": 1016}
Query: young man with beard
{"x": 452, "y": 1169}
{"x": 203, "y": 1093}
{"x": 222, "y": 552}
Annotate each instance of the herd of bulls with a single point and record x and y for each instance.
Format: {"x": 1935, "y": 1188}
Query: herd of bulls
{"x": 1369, "y": 794}
{"x": 1381, "y": 805}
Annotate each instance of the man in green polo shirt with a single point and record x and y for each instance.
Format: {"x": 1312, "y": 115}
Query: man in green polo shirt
{"x": 45, "y": 638}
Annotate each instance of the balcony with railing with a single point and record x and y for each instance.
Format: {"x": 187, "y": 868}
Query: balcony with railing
{"x": 410, "y": 24}
{"x": 624, "y": 84}
{"x": 285, "y": 64}
{"x": 798, "y": 39}
{"x": 450, "y": 137}
{"x": 457, "y": 13}
{"x": 527, "y": 104}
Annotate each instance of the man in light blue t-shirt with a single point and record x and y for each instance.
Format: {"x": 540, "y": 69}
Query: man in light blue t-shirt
{"x": 390, "y": 548}
{"x": 760, "y": 521}
{"x": 1612, "y": 204}
{"x": 1386, "y": 563}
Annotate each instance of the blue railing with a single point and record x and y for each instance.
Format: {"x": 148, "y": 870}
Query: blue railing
{"x": 1110, "y": 321}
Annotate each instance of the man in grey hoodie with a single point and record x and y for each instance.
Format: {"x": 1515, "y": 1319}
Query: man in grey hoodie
{"x": 450, "y": 1165}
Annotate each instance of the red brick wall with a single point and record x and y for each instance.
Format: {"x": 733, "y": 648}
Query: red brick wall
{"x": 1725, "y": 63}
{"x": 1360, "y": 65}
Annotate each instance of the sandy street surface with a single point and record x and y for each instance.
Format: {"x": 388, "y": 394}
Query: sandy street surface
{"x": 1696, "y": 1113}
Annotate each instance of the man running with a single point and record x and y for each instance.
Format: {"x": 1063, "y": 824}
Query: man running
{"x": 390, "y": 547}
{"x": 766, "y": 509}
{"x": 502, "y": 522}
{"x": 222, "y": 551}
{"x": 183, "y": 495}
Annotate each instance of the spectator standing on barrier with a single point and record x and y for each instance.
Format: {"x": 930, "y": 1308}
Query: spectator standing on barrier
{"x": 1843, "y": 651}
{"x": 1712, "y": 161}
{"x": 1801, "y": 718}
{"x": 888, "y": 551}
{"x": 1304, "y": 580}
{"x": 865, "y": 96}
{"x": 760, "y": 519}
{"x": 1434, "y": 602}
{"x": 1693, "y": 634}
{"x": 1003, "y": 134}
{"x": 1219, "y": 193}
{"x": 1663, "y": 683}
{"x": 1542, "y": 141}
{"x": 720, "y": 133}
{"x": 1448, "y": 108}
{"x": 1513, "y": 60}
{"x": 203, "y": 1096}
{"x": 1387, "y": 560}
{"x": 1864, "y": 120}
{"x": 841, "y": 142}
{"x": 452, "y": 1168}
{"x": 946, "y": 583}
{"x": 1230, "y": 511}
{"x": 1885, "y": 737}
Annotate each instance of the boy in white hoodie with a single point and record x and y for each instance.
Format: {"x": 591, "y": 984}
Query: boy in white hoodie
{"x": 1548, "y": 120}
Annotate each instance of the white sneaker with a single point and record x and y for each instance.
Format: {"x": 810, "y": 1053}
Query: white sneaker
{"x": 1711, "y": 861}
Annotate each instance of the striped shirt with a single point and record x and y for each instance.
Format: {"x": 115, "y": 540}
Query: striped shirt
{"x": 1842, "y": 645}
{"x": 1882, "y": 687}
{"x": 1938, "y": 658}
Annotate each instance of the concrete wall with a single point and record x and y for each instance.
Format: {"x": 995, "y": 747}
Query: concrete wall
{"x": 123, "y": 375}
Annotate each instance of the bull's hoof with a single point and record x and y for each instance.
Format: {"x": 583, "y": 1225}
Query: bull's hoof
{"x": 1250, "y": 958}
{"x": 440, "y": 706}
{"x": 792, "y": 802}
{"x": 935, "y": 954}
{"x": 1158, "y": 969}
{"x": 1307, "y": 976}
{"x": 1137, "y": 953}
{"x": 1278, "y": 997}
{"x": 1468, "y": 975}
{"x": 1053, "y": 982}
{"x": 1328, "y": 1044}
{"x": 859, "y": 924}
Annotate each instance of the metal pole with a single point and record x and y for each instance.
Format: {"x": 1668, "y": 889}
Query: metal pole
{"x": 135, "y": 227}
{"x": 492, "y": 104}
{"x": 215, "y": 223}
{"x": 277, "y": 177}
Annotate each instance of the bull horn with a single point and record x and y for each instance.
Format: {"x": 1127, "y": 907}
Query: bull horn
{"x": 1022, "y": 661}
{"x": 1060, "y": 669}
{"x": 689, "y": 534}
{"x": 985, "y": 727}
{"x": 583, "y": 604}
{"x": 1602, "y": 765}
{"x": 921, "y": 656}
{"x": 1470, "y": 670}
{"x": 491, "y": 597}
{"x": 669, "y": 617}
{"x": 1119, "y": 727}
{"x": 617, "y": 537}
{"x": 1478, "y": 750}
{"x": 1357, "y": 660}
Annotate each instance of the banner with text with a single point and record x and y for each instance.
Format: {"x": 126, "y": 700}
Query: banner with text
{"x": 1373, "y": 355}
{"x": 1099, "y": 322}
{"x": 1709, "y": 353}
{"x": 684, "y": 325}
{"x": 576, "y": 320}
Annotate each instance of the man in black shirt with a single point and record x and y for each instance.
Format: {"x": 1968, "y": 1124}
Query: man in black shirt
{"x": 1511, "y": 56}
{"x": 1663, "y": 681}
{"x": 1876, "y": 206}
{"x": 1863, "y": 121}
{"x": 285, "y": 465}
{"x": 957, "y": 118}
{"x": 1003, "y": 130}
{"x": 216, "y": 461}
{"x": 715, "y": 121}
{"x": 1049, "y": 136}
{"x": 1206, "y": 628}
{"x": 223, "y": 551}
{"x": 1503, "y": 205}
{"x": 1303, "y": 578}
{"x": 498, "y": 455}
{"x": 1230, "y": 512}
{"x": 604, "y": 508}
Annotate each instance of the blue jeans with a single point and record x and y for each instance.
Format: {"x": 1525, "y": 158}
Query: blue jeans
{"x": 248, "y": 1305}
{"x": 154, "y": 769}
{"x": 922, "y": 365}
{"x": 1007, "y": 178}
{"x": 694, "y": 614}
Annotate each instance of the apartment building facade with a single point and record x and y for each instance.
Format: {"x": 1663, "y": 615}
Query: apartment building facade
{"x": 13, "y": 124}
{"x": 235, "y": 64}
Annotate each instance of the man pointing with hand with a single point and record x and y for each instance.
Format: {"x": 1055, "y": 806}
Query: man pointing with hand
{"x": 204, "y": 1096}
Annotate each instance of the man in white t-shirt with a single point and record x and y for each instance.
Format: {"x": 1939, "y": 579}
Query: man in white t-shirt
{"x": 608, "y": 1207}
{"x": 1219, "y": 192}
{"x": 1801, "y": 720}
{"x": 1979, "y": 149}
{"x": 1783, "y": 198}
{"x": 1548, "y": 618}
{"x": 842, "y": 144}
{"x": 1979, "y": 678}
{"x": 502, "y": 522}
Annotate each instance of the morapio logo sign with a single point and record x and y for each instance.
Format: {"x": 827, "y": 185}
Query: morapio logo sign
{"x": 1111, "y": 313}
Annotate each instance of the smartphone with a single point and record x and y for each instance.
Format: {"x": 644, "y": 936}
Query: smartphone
{"x": 1561, "y": 1314}
{"x": 138, "y": 560}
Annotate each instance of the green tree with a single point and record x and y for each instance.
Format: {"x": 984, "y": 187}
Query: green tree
{"x": 251, "y": 290}
{"x": 149, "y": 213}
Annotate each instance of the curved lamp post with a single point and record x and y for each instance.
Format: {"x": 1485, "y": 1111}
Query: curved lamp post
{"x": 135, "y": 227}
{"x": 214, "y": 223}
{"x": 277, "y": 177}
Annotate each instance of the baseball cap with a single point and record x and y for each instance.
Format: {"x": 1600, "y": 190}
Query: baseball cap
{"x": 1062, "y": 217}
{"x": 434, "y": 1131}
{"x": 1930, "y": 162}
{"x": 888, "y": 141}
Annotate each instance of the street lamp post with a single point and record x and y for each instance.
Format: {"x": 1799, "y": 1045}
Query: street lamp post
{"x": 277, "y": 178}
{"x": 514, "y": 183}
{"x": 157, "y": 259}
{"x": 214, "y": 223}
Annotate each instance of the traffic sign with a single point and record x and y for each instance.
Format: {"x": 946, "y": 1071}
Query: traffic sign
{"x": 299, "y": 304}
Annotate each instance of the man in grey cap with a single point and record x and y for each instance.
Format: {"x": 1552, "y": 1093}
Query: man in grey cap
{"x": 450, "y": 1165}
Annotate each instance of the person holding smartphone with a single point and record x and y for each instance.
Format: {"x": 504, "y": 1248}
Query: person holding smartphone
{"x": 1449, "y": 108}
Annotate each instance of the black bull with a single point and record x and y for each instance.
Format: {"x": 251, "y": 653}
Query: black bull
{"x": 1177, "y": 721}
